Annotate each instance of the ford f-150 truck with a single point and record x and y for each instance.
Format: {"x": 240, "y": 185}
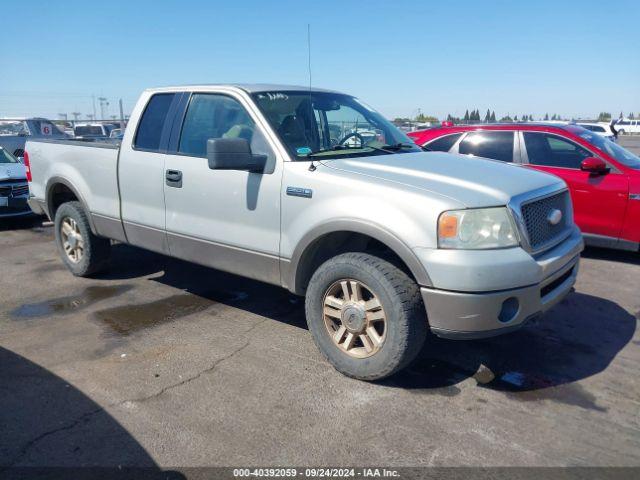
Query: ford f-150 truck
{"x": 278, "y": 184}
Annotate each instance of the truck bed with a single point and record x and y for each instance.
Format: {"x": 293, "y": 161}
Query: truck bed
{"x": 90, "y": 167}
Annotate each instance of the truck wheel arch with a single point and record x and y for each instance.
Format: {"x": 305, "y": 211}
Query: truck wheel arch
{"x": 306, "y": 258}
{"x": 60, "y": 190}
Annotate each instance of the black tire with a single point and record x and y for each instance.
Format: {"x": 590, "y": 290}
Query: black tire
{"x": 96, "y": 249}
{"x": 406, "y": 322}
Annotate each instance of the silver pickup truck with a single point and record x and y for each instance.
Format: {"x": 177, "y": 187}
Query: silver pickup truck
{"x": 314, "y": 191}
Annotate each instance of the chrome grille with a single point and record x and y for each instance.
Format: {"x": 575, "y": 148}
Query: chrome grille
{"x": 20, "y": 190}
{"x": 535, "y": 215}
{"x": 14, "y": 190}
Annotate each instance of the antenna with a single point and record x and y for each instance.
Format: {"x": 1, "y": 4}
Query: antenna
{"x": 309, "y": 53}
{"x": 312, "y": 166}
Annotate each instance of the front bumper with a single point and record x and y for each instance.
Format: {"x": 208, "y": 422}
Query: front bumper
{"x": 477, "y": 314}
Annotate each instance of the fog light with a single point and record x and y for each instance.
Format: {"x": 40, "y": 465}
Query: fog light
{"x": 509, "y": 309}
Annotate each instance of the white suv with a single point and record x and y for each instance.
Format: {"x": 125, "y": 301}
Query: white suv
{"x": 602, "y": 129}
{"x": 627, "y": 125}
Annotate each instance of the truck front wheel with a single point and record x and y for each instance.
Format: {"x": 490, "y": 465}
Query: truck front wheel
{"x": 82, "y": 252}
{"x": 365, "y": 315}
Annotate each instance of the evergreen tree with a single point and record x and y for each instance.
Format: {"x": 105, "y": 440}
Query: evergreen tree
{"x": 546, "y": 117}
{"x": 487, "y": 117}
{"x": 493, "y": 117}
{"x": 466, "y": 117}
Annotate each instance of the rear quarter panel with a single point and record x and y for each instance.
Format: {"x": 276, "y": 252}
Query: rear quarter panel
{"x": 90, "y": 170}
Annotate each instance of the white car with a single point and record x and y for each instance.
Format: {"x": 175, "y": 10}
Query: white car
{"x": 627, "y": 125}
{"x": 14, "y": 190}
{"x": 601, "y": 128}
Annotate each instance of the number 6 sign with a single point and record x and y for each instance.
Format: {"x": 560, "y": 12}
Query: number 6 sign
{"x": 45, "y": 129}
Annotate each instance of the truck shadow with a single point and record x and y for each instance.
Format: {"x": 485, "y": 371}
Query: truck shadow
{"x": 46, "y": 422}
{"x": 22, "y": 223}
{"x": 622, "y": 256}
{"x": 575, "y": 340}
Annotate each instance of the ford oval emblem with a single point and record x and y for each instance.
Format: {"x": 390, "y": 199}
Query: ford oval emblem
{"x": 554, "y": 216}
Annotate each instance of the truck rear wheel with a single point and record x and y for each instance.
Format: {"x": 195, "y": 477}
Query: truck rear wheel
{"x": 82, "y": 252}
{"x": 365, "y": 315}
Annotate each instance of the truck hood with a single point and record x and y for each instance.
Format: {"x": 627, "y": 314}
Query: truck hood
{"x": 472, "y": 181}
{"x": 12, "y": 171}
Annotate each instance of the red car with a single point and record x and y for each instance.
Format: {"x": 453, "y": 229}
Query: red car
{"x": 603, "y": 177}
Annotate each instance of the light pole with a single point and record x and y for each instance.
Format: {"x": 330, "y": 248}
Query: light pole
{"x": 104, "y": 103}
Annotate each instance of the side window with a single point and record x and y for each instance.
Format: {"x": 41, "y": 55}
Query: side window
{"x": 442, "y": 144}
{"x": 553, "y": 151}
{"x": 495, "y": 145}
{"x": 152, "y": 122}
{"x": 214, "y": 116}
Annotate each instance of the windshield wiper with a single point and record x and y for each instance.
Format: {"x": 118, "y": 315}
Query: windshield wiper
{"x": 383, "y": 148}
{"x": 397, "y": 146}
{"x": 338, "y": 148}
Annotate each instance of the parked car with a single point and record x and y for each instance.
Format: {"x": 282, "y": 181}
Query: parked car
{"x": 14, "y": 190}
{"x": 627, "y": 125}
{"x": 603, "y": 177}
{"x": 602, "y": 129}
{"x": 378, "y": 237}
{"x": 93, "y": 130}
{"x": 14, "y": 133}
{"x": 117, "y": 133}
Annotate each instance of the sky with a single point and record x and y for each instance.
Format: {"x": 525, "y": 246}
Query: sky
{"x": 574, "y": 58}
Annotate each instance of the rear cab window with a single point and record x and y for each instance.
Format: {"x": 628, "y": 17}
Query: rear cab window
{"x": 494, "y": 145}
{"x": 152, "y": 122}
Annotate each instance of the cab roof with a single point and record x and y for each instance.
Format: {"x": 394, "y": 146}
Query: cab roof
{"x": 249, "y": 87}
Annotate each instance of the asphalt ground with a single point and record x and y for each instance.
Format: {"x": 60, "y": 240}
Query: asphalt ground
{"x": 162, "y": 363}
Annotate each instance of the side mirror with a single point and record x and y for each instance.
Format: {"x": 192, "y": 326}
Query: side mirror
{"x": 233, "y": 154}
{"x": 594, "y": 165}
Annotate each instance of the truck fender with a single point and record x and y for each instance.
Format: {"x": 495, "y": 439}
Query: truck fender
{"x": 57, "y": 180}
{"x": 291, "y": 271}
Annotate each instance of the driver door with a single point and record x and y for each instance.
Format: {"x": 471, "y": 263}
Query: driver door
{"x": 226, "y": 219}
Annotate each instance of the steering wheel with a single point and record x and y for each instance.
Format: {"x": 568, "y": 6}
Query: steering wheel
{"x": 352, "y": 134}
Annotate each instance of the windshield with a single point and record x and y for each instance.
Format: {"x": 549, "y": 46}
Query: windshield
{"x": 330, "y": 125}
{"x": 619, "y": 153}
{"x": 13, "y": 127}
{"x": 6, "y": 157}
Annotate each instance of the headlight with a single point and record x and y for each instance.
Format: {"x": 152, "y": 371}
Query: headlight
{"x": 481, "y": 228}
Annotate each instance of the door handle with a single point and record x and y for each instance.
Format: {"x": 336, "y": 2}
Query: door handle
{"x": 173, "y": 178}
